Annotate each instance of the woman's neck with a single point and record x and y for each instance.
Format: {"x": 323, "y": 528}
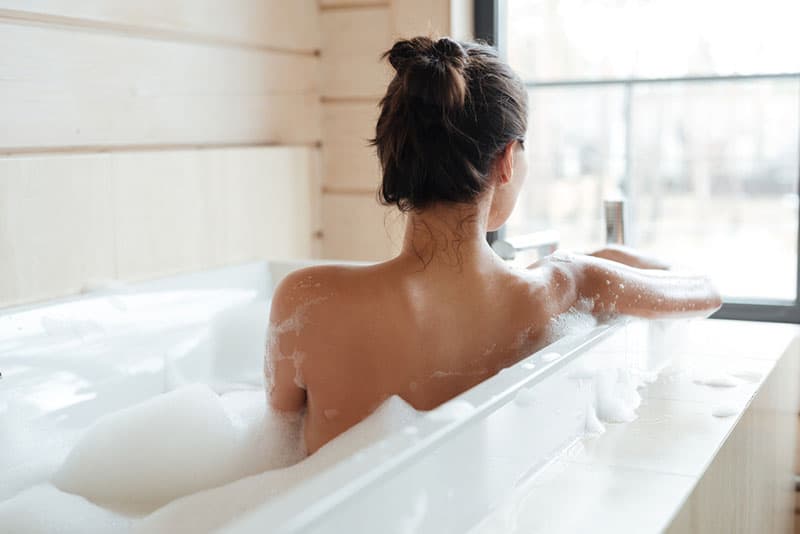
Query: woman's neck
{"x": 448, "y": 235}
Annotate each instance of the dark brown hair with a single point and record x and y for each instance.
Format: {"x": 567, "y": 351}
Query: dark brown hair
{"x": 450, "y": 109}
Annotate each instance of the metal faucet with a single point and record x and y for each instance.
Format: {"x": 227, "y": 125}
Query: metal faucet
{"x": 543, "y": 242}
{"x": 615, "y": 221}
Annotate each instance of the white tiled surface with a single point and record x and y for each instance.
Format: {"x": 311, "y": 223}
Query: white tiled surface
{"x": 563, "y": 498}
{"x": 637, "y": 475}
{"x": 686, "y": 383}
{"x": 670, "y": 436}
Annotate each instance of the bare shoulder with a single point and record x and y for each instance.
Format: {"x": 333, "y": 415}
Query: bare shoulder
{"x": 311, "y": 286}
{"x": 305, "y": 316}
{"x": 320, "y": 296}
{"x": 552, "y": 284}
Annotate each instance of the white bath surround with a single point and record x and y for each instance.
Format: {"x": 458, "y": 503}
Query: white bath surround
{"x": 630, "y": 427}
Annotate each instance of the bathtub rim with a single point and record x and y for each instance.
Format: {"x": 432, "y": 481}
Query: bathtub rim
{"x": 374, "y": 463}
{"x": 309, "y": 502}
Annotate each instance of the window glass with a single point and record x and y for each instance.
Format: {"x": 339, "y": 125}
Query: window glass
{"x": 709, "y": 168}
{"x": 567, "y": 39}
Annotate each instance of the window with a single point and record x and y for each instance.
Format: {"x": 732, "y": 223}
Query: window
{"x": 690, "y": 109}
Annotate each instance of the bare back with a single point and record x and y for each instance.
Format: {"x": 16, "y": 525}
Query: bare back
{"x": 425, "y": 335}
{"x": 344, "y": 339}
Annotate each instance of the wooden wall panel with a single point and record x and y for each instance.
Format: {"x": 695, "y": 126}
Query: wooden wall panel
{"x": 180, "y": 211}
{"x": 66, "y": 220}
{"x": 282, "y": 24}
{"x": 352, "y": 43}
{"x": 315, "y": 201}
{"x": 421, "y": 17}
{"x": 66, "y": 88}
{"x": 354, "y": 35}
{"x": 356, "y": 227}
{"x": 351, "y": 4}
{"x": 56, "y": 226}
{"x": 350, "y": 162}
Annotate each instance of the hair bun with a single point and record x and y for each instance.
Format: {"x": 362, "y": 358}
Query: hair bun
{"x": 431, "y": 71}
{"x": 449, "y": 50}
{"x": 402, "y": 53}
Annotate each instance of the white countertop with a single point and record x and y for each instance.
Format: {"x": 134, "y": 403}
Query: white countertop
{"x": 636, "y": 476}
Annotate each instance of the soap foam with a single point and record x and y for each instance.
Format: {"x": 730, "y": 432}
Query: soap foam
{"x": 292, "y": 324}
{"x": 724, "y": 410}
{"x": 752, "y": 377}
{"x": 451, "y": 410}
{"x": 617, "y": 396}
{"x": 220, "y": 456}
{"x": 44, "y": 509}
{"x": 140, "y": 458}
{"x": 593, "y": 425}
{"x": 718, "y": 380}
{"x": 210, "y": 509}
{"x": 550, "y": 357}
{"x": 575, "y": 321}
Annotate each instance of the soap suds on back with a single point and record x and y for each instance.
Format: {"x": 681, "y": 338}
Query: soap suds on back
{"x": 292, "y": 325}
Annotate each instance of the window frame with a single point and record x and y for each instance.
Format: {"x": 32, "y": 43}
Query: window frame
{"x": 488, "y": 27}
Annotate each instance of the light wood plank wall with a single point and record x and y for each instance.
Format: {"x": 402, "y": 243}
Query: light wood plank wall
{"x": 354, "y": 35}
{"x": 149, "y": 137}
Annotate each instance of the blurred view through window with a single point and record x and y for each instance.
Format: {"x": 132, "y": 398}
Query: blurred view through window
{"x": 691, "y": 109}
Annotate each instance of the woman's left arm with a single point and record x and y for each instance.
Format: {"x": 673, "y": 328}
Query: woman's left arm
{"x": 630, "y": 257}
{"x": 616, "y": 288}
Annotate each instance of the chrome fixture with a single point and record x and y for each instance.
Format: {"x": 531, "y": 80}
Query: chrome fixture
{"x": 543, "y": 242}
{"x": 615, "y": 221}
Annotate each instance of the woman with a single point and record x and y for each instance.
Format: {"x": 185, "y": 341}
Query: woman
{"x": 447, "y": 312}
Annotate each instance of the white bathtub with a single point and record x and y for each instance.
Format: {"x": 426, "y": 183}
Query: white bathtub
{"x": 66, "y": 363}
